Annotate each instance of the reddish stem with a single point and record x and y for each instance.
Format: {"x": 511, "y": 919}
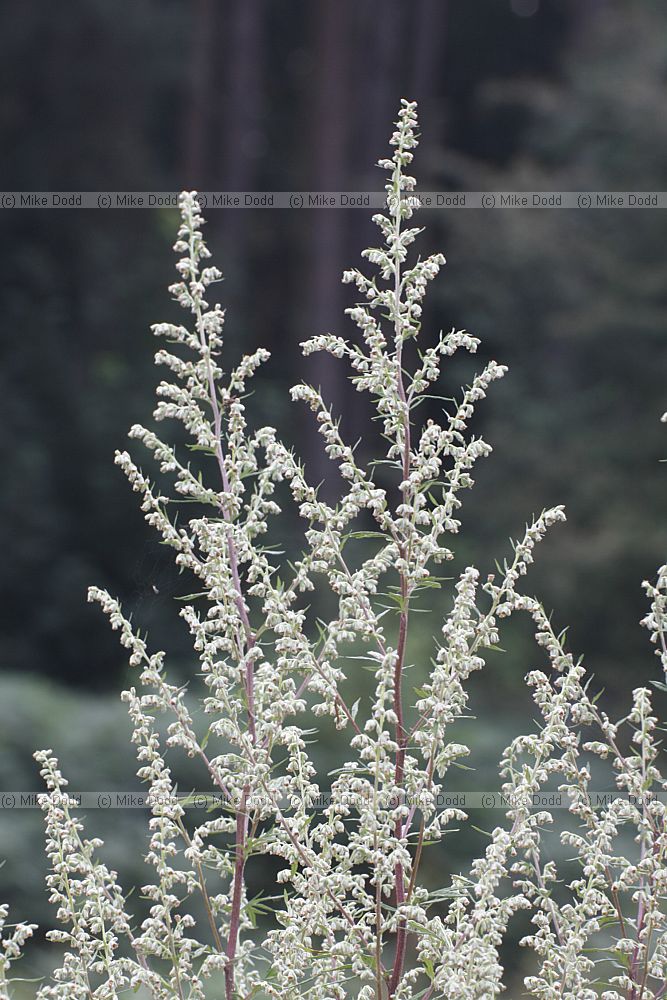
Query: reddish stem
{"x": 402, "y": 931}
{"x": 249, "y": 679}
{"x": 239, "y": 866}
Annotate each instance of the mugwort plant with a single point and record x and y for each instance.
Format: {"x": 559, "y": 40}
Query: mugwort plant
{"x": 352, "y": 914}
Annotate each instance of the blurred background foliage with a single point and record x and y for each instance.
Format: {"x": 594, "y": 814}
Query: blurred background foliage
{"x": 252, "y": 94}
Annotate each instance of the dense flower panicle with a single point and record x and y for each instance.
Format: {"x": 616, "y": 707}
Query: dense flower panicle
{"x": 353, "y": 914}
{"x": 655, "y": 621}
{"x": 12, "y": 939}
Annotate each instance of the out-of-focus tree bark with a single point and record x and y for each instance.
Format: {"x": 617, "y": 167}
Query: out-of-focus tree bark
{"x": 429, "y": 48}
{"x": 429, "y": 54}
{"x": 199, "y": 111}
{"x": 377, "y": 82}
{"x": 330, "y": 113}
{"x": 243, "y": 93}
{"x": 380, "y": 87}
{"x": 583, "y": 13}
{"x": 242, "y": 122}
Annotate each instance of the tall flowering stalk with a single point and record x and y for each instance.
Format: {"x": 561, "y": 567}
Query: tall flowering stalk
{"x": 353, "y": 916}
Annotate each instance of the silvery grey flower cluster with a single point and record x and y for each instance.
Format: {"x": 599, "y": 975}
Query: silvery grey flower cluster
{"x": 354, "y": 915}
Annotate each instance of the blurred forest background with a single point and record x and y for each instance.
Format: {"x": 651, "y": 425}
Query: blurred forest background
{"x": 253, "y": 94}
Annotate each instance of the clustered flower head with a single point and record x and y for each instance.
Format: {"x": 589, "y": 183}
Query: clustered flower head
{"x": 353, "y": 914}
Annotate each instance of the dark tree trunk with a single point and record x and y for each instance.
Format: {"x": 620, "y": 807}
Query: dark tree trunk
{"x": 199, "y": 112}
{"x": 381, "y": 86}
{"x": 429, "y": 48}
{"x": 330, "y": 115}
{"x": 243, "y": 94}
{"x": 241, "y": 128}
